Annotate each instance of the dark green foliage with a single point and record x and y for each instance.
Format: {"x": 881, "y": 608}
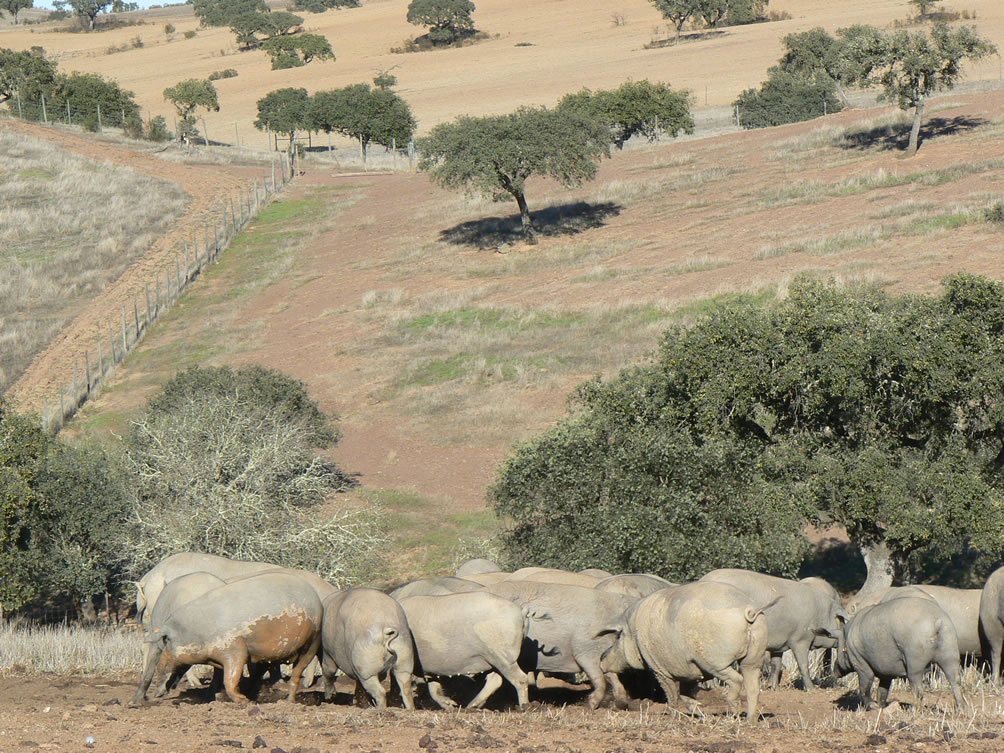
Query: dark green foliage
{"x": 495, "y": 155}
{"x": 29, "y": 73}
{"x": 677, "y": 12}
{"x": 256, "y": 386}
{"x": 247, "y": 27}
{"x": 995, "y": 213}
{"x": 85, "y": 92}
{"x": 369, "y": 115}
{"x": 14, "y": 7}
{"x": 62, "y": 515}
{"x": 284, "y": 111}
{"x": 89, "y": 496}
{"x": 156, "y": 129}
{"x": 746, "y": 12}
{"x": 223, "y": 12}
{"x": 787, "y": 98}
{"x": 133, "y": 126}
{"x": 298, "y": 50}
{"x": 319, "y": 6}
{"x": 448, "y": 20}
{"x": 878, "y": 413}
{"x": 635, "y": 107}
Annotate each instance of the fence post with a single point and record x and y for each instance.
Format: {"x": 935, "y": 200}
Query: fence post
{"x": 147, "y": 291}
{"x": 87, "y": 369}
{"x": 216, "y": 241}
{"x": 111, "y": 343}
{"x": 135, "y": 313}
{"x": 76, "y": 383}
{"x": 99, "y": 116}
{"x": 44, "y": 116}
{"x": 125, "y": 338}
{"x": 20, "y": 114}
{"x": 177, "y": 272}
{"x": 158, "y": 296}
{"x": 233, "y": 213}
{"x": 67, "y": 112}
{"x": 101, "y": 362}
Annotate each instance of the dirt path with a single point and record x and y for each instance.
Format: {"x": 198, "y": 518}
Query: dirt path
{"x": 85, "y": 713}
{"x": 206, "y": 185}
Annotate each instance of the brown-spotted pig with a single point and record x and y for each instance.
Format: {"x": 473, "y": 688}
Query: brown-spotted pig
{"x": 272, "y": 617}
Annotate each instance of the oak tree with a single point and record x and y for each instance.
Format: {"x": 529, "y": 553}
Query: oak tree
{"x": 495, "y": 155}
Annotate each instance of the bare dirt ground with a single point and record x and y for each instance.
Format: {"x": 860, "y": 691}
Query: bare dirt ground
{"x": 61, "y": 713}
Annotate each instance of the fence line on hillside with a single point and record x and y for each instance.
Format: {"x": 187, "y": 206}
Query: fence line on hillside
{"x": 115, "y": 339}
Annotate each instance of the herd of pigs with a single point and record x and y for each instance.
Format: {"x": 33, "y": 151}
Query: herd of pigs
{"x": 251, "y": 616}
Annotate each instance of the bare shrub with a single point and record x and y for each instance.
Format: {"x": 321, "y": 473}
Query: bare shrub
{"x": 216, "y": 474}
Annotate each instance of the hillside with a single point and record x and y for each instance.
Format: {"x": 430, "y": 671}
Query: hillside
{"x": 538, "y": 51}
{"x": 406, "y": 310}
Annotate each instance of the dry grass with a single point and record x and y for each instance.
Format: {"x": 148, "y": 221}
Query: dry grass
{"x": 67, "y": 649}
{"x": 68, "y": 227}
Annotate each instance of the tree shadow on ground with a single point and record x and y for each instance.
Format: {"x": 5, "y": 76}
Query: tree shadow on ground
{"x": 838, "y": 562}
{"x": 565, "y": 219}
{"x": 897, "y": 135}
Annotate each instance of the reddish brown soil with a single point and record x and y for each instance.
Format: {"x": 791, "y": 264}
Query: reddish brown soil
{"x": 61, "y": 713}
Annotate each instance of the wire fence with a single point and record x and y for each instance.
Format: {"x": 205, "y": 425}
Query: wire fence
{"x": 115, "y": 338}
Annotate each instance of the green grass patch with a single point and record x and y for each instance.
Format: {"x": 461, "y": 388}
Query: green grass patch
{"x": 36, "y": 173}
{"x": 946, "y": 221}
{"x": 826, "y": 246}
{"x": 426, "y": 532}
{"x": 489, "y": 320}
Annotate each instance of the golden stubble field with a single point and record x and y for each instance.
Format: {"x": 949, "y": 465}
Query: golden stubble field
{"x": 572, "y": 44}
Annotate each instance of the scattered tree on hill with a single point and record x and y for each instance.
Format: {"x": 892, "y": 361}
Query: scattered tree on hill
{"x": 448, "y": 20}
{"x": 786, "y": 98}
{"x": 367, "y": 115}
{"x": 319, "y": 6}
{"x": 910, "y": 66}
{"x": 835, "y": 405}
{"x": 14, "y": 7}
{"x": 713, "y": 12}
{"x": 27, "y": 73}
{"x": 677, "y": 12}
{"x": 85, "y": 9}
{"x": 187, "y": 96}
{"x": 284, "y": 111}
{"x": 223, "y": 12}
{"x": 385, "y": 80}
{"x": 248, "y": 26}
{"x": 224, "y": 463}
{"x": 296, "y": 51}
{"x": 635, "y": 107}
{"x": 810, "y": 53}
{"x": 923, "y": 6}
{"x": 746, "y": 12}
{"x": 495, "y": 155}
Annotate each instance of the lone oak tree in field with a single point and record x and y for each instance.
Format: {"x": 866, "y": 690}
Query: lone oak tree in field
{"x": 448, "y": 20}
{"x": 284, "y": 111}
{"x": 14, "y": 7}
{"x": 881, "y": 414}
{"x": 635, "y": 107}
{"x": 88, "y": 9}
{"x": 187, "y": 96}
{"x": 296, "y": 51}
{"x": 910, "y": 66}
{"x": 495, "y": 155}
